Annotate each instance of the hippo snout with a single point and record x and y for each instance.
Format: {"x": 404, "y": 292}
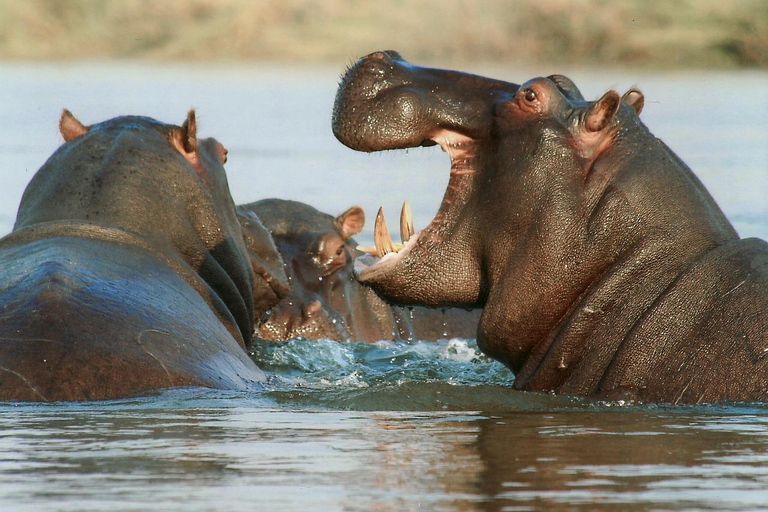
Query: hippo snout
{"x": 385, "y": 102}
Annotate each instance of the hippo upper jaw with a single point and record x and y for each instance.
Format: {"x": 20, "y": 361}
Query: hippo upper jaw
{"x": 384, "y": 102}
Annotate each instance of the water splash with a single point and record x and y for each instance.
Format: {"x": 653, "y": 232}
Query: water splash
{"x": 370, "y": 375}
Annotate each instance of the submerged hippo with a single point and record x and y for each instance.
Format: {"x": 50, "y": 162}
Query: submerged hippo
{"x": 602, "y": 265}
{"x": 126, "y": 271}
{"x": 325, "y": 300}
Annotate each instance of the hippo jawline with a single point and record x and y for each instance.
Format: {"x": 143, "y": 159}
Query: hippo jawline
{"x": 377, "y": 264}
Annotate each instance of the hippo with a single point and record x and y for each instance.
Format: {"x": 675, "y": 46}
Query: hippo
{"x": 325, "y": 300}
{"x": 603, "y": 266}
{"x": 126, "y": 271}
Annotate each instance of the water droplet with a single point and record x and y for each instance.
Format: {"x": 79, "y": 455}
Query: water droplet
{"x": 320, "y": 278}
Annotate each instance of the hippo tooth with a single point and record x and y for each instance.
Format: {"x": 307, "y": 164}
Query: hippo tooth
{"x": 381, "y": 236}
{"x": 406, "y": 223}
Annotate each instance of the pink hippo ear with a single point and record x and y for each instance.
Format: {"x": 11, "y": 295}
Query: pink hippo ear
{"x": 602, "y": 111}
{"x": 70, "y": 127}
{"x": 189, "y": 133}
{"x": 184, "y": 139}
{"x": 635, "y": 99}
{"x": 351, "y": 222}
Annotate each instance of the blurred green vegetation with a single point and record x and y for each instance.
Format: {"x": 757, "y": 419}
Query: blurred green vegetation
{"x": 652, "y": 33}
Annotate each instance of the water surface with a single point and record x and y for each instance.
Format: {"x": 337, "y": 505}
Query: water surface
{"x": 411, "y": 426}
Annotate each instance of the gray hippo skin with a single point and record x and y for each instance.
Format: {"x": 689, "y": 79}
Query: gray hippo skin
{"x": 325, "y": 300}
{"x": 602, "y": 265}
{"x": 126, "y": 271}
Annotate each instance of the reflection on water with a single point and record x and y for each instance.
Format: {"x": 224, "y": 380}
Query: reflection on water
{"x": 626, "y": 460}
{"x": 212, "y": 451}
{"x": 316, "y": 439}
{"x": 374, "y": 427}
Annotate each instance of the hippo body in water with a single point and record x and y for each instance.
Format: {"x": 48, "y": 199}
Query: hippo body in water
{"x": 126, "y": 271}
{"x": 602, "y": 264}
{"x": 325, "y": 300}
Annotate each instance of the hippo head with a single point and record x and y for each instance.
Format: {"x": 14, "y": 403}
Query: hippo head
{"x": 315, "y": 248}
{"x": 325, "y": 300}
{"x": 526, "y": 163}
{"x": 162, "y": 184}
{"x": 384, "y": 102}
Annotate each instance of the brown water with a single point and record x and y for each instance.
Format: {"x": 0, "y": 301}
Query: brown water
{"x": 390, "y": 426}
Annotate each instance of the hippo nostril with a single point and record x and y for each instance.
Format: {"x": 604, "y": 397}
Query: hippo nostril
{"x": 379, "y": 56}
{"x": 311, "y": 308}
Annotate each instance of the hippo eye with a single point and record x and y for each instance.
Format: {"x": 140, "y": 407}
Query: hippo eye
{"x": 530, "y": 96}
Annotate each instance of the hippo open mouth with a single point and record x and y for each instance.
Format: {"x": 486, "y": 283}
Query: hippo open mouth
{"x": 386, "y": 253}
{"x": 383, "y": 103}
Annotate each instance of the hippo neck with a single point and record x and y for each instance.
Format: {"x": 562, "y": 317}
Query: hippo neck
{"x": 647, "y": 229}
{"x": 575, "y": 353}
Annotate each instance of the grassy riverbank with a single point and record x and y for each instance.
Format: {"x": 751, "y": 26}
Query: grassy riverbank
{"x": 653, "y": 33}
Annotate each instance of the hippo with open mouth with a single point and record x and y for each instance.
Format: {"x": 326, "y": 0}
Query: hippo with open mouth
{"x": 602, "y": 264}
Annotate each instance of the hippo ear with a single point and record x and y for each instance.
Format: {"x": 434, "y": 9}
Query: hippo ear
{"x": 351, "y": 222}
{"x": 635, "y": 99}
{"x": 70, "y": 127}
{"x": 184, "y": 139}
{"x": 189, "y": 133}
{"x": 602, "y": 111}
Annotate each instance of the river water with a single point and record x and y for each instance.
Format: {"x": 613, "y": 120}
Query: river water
{"x": 408, "y": 426}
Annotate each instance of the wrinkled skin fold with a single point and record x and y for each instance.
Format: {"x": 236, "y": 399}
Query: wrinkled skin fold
{"x": 126, "y": 271}
{"x": 602, "y": 264}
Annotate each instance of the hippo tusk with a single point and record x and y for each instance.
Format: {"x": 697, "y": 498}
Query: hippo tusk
{"x": 381, "y": 237}
{"x": 406, "y": 223}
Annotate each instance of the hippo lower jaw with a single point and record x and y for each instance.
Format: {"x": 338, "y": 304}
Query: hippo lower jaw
{"x": 368, "y": 266}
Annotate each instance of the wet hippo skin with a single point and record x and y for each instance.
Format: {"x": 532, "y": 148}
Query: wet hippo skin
{"x": 602, "y": 264}
{"x": 325, "y": 301}
{"x": 126, "y": 271}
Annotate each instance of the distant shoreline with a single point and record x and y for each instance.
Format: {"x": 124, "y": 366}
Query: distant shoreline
{"x": 703, "y": 34}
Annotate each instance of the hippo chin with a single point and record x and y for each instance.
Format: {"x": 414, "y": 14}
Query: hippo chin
{"x": 325, "y": 301}
{"x": 602, "y": 264}
{"x": 126, "y": 271}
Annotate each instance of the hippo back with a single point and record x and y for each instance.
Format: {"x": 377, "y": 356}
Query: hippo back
{"x": 90, "y": 319}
